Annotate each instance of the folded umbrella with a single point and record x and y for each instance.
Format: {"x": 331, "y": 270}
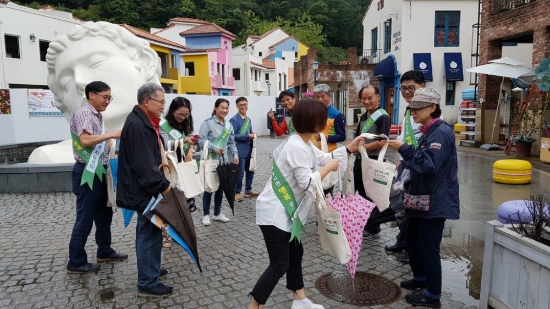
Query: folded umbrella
{"x": 229, "y": 175}
{"x": 173, "y": 210}
{"x": 127, "y": 214}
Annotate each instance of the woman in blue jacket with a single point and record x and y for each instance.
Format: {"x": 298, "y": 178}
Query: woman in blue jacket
{"x": 433, "y": 167}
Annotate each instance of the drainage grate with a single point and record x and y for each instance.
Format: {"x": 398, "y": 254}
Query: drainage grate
{"x": 370, "y": 289}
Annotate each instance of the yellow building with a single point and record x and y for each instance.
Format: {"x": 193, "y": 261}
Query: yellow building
{"x": 169, "y": 53}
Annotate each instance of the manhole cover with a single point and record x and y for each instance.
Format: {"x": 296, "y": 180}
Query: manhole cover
{"x": 370, "y": 289}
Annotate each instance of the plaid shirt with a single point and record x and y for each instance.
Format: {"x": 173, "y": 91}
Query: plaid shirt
{"x": 88, "y": 119}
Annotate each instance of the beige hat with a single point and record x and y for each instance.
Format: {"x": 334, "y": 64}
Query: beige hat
{"x": 425, "y": 97}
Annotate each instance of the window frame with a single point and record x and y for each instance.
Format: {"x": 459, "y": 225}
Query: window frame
{"x": 43, "y": 53}
{"x": 6, "y": 46}
{"x": 188, "y": 66}
{"x": 374, "y": 41}
{"x": 447, "y": 28}
{"x": 450, "y": 93}
{"x": 387, "y": 36}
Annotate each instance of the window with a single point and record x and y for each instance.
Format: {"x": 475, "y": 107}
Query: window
{"x": 374, "y": 41}
{"x": 189, "y": 69}
{"x": 296, "y": 56}
{"x": 387, "y": 36}
{"x": 174, "y": 61}
{"x": 450, "y": 93}
{"x": 43, "y": 45}
{"x": 266, "y": 76}
{"x": 164, "y": 64}
{"x": 212, "y": 68}
{"x": 12, "y": 46}
{"x": 446, "y": 28}
{"x": 259, "y": 54}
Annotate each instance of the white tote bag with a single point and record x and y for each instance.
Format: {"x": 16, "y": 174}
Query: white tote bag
{"x": 189, "y": 177}
{"x": 331, "y": 233}
{"x": 331, "y": 178}
{"x": 207, "y": 171}
{"x": 252, "y": 167}
{"x": 377, "y": 175}
{"x": 348, "y": 183}
{"x": 111, "y": 190}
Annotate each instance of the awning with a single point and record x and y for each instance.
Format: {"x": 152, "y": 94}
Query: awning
{"x": 453, "y": 67}
{"x": 385, "y": 68}
{"x": 423, "y": 63}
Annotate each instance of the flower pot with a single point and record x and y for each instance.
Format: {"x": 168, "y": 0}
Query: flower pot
{"x": 523, "y": 149}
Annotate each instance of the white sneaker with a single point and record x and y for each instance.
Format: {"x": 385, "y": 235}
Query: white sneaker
{"x": 296, "y": 305}
{"x": 221, "y": 218}
{"x": 206, "y": 220}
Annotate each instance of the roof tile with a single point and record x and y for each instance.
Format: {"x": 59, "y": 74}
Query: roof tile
{"x": 149, "y": 36}
{"x": 207, "y": 28}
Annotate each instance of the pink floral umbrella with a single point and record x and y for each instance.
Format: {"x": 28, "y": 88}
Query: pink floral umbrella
{"x": 355, "y": 211}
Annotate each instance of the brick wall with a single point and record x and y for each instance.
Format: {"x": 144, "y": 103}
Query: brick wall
{"x": 530, "y": 18}
{"x": 355, "y": 74}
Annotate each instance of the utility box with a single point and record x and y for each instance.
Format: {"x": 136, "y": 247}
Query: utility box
{"x": 545, "y": 149}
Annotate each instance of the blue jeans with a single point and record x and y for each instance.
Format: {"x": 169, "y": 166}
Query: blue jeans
{"x": 91, "y": 207}
{"x": 244, "y": 166}
{"x": 148, "y": 251}
{"x": 423, "y": 244}
{"x": 207, "y": 199}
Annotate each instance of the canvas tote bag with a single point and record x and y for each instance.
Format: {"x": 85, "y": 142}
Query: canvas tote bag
{"x": 377, "y": 175}
{"x": 331, "y": 233}
{"x": 189, "y": 177}
{"x": 332, "y": 178}
{"x": 207, "y": 171}
{"x": 348, "y": 183}
{"x": 252, "y": 166}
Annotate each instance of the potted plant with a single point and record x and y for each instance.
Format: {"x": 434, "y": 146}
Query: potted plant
{"x": 516, "y": 260}
{"x": 527, "y": 132}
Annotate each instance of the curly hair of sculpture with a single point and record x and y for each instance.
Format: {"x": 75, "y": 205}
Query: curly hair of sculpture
{"x": 105, "y": 52}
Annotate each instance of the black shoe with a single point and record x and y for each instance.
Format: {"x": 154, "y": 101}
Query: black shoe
{"x": 113, "y": 257}
{"x": 405, "y": 261}
{"x": 422, "y": 300}
{"x": 83, "y": 269}
{"x": 413, "y": 284}
{"x": 394, "y": 248}
{"x": 160, "y": 290}
{"x": 163, "y": 272}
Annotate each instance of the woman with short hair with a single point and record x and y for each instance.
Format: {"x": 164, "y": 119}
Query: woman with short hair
{"x": 294, "y": 163}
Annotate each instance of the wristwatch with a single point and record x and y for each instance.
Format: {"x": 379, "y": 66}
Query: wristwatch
{"x": 349, "y": 152}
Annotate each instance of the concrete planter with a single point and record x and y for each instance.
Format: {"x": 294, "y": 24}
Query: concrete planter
{"x": 516, "y": 270}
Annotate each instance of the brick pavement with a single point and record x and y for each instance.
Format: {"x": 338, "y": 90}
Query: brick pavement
{"x": 35, "y": 231}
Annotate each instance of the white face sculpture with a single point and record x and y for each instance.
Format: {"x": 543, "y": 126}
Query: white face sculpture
{"x": 98, "y": 58}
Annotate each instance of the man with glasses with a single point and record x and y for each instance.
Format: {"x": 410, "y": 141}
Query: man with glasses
{"x": 91, "y": 151}
{"x": 244, "y": 136}
{"x": 140, "y": 179}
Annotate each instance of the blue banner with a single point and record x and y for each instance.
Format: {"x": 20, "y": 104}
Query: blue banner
{"x": 423, "y": 63}
{"x": 453, "y": 67}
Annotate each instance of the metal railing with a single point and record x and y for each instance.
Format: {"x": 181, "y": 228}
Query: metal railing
{"x": 368, "y": 56}
{"x": 500, "y": 6}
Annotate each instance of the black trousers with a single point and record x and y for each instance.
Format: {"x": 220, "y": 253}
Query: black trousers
{"x": 284, "y": 258}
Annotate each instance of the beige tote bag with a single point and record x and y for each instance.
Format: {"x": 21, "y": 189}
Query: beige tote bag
{"x": 253, "y": 164}
{"x": 377, "y": 175}
{"x": 207, "y": 171}
{"x": 332, "y": 178}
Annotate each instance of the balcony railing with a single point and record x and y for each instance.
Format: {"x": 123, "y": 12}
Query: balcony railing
{"x": 500, "y": 6}
{"x": 368, "y": 56}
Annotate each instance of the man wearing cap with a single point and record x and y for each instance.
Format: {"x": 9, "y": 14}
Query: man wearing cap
{"x": 433, "y": 167}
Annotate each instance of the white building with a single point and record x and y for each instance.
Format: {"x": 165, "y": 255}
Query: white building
{"x": 264, "y": 65}
{"x": 175, "y": 26}
{"x": 435, "y": 37}
{"x": 25, "y": 35}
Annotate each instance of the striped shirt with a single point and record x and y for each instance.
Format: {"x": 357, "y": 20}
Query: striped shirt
{"x": 88, "y": 119}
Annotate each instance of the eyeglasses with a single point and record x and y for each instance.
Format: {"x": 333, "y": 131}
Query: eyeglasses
{"x": 105, "y": 97}
{"x": 410, "y": 88}
{"x": 182, "y": 115}
{"x": 161, "y": 102}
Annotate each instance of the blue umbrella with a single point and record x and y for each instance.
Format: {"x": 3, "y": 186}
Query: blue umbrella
{"x": 127, "y": 214}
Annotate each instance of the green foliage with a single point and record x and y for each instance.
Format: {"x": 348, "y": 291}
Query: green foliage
{"x": 316, "y": 23}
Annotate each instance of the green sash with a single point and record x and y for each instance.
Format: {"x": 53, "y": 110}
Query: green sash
{"x": 291, "y": 129}
{"x": 92, "y": 158}
{"x": 286, "y": 197}
{"x": 372, "y": 119}
{"x": 173, "y": 133}
{"x": 224, "y": 136}
{"x": 246, "y": 126}
{"x": 408, "y": 132}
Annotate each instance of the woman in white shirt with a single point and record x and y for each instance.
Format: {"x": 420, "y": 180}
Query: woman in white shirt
{"x": 296, "y": 160}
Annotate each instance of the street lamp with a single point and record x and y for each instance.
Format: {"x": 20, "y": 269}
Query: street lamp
{"x": 314, "y": 66}
{"x": 268, "y": 87}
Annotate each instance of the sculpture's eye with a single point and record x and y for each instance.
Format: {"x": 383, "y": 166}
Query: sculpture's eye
{"x": 96, "y": 60}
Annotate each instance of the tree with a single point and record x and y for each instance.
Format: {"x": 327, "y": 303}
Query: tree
{"x": 187, "y": 8}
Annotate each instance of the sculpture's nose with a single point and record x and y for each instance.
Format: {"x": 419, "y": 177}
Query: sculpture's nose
{"x": 82, "y": 77}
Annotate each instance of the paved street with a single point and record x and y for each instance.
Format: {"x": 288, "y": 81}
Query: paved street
{"x": 35, "y": 231}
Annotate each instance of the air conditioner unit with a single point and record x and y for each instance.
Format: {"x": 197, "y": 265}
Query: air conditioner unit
{"x": 366, "y": 60}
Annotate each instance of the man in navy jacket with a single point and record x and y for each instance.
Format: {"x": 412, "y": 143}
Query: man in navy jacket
{"x": 244, "y": 136}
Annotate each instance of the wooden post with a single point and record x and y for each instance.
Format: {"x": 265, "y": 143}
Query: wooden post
{"x": 488, "y": 256}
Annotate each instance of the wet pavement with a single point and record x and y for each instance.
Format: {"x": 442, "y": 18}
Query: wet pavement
{"x": 35, "y": 231}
